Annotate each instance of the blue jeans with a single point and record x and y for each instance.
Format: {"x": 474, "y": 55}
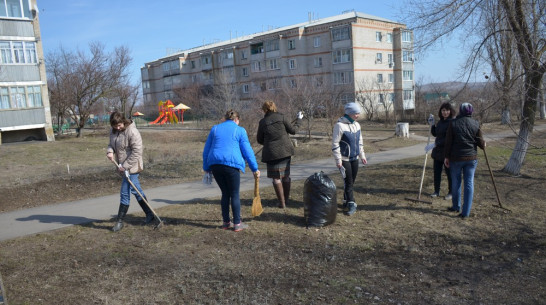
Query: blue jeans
{"x": 127, "y": 189}
{"x": 467, "y": 169}
{"x": 229, "y": 180}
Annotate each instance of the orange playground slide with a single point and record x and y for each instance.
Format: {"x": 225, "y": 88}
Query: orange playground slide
{"x": 159, "y": 118}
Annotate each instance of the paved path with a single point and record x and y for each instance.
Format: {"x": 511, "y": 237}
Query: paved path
{"x": 45, "y": 218}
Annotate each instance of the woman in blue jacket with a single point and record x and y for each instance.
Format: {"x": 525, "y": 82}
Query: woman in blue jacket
{"x": 224, "y": 155}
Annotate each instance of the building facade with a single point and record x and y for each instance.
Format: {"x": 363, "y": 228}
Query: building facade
{"x": 24, "y": 104}
{"x": 371, "y": 56}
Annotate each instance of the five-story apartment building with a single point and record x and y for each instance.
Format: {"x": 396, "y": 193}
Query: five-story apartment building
{"x": 350, "y": 50}
{"x": 24, "y": 104}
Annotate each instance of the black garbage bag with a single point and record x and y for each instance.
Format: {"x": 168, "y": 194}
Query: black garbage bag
{"x": 319, "y": 200}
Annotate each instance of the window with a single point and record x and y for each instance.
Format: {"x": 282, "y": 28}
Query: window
{"x": 391, "y": 78}
{"x": 34, "y": 96}
{"x": 193, "y": 64}
{"x": 4, "y": 98}
{"x": 292, "y": 64}
{"x": 228, "y": 55}
{"x": 407, "y": 56}
{"x": 193, "y": 78}
{"x": 316, "y": 42}
{"x": 14, "y": 8}
{"x": 341, "y": 56}
{"x": 272, "y": 45}
{"x": 379, "y": 78}
{"x": 205, "y": 60}
{"x": 273, "y": 64}
{"x": 18, "y": 97}
{"x": 245, "y": 88}
{"x": 273, "y": 84}
{"x": 390, "y": 58}
{"x": 291, "y": 44}
{"x": 257, "y": 48}
{"x": 408, "y": 95}
{"x": 346, "y": 98}
{"x": 5, "y": 52}
{"x": 319, "y": 81}
{"x": 378, "y": 58}
{"x": 408, "y": 75}
{"x": 17, "y": 52}
{"x": 342, "y": 78}
{"x": 243, "y": 54}
{"x": 389, "y": 37}
{"x": 245, "y": 71}
{"x": 293, "y": 83}
{"x": 256, "y": 66}
{"x": 340, "y": 33}
{"x": 318, "y": 62}
{"x": 378, "y": 36}
{"x": 146, "y": 84}
{"x": 406, "y": 36}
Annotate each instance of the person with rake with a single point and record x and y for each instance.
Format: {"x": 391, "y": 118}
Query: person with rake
{"x": 348, "y": 148}
{"x": 125, "y": 149}
{"x": 273, "y": 134}
{"x": 463, "y": 137}
{"x": 446, "y": 113}
{"x": 225, "y": 152}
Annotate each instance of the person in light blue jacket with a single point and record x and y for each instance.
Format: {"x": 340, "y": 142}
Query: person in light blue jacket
{"x": 226, "y": 150}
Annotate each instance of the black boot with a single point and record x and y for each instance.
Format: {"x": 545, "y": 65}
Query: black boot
{"x": 147, "y": 211}
{"x": 280, "y": 194}
{"x": 286, "y": 188}
{"x": 121, "y": 214}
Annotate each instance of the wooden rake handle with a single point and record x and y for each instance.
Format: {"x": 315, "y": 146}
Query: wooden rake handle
{"x": 256, "y": 186}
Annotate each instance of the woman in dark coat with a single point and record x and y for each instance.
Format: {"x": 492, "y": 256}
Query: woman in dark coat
{"x": 278, "y": 149}
{"x": 446, "y": 113}
{"x": 463, "y": 138}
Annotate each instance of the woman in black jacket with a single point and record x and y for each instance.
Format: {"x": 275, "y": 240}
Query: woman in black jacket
{"x": 278, "y": 150}
{"x": 446, "y": 113}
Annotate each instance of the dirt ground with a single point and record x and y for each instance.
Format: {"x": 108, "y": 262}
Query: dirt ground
{"x": 392, "y": 251}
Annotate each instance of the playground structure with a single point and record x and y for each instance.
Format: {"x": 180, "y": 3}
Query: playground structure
{"x": 168, "y": 113}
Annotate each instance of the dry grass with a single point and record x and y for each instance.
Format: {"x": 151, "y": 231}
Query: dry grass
{"x": 392, "y": 251}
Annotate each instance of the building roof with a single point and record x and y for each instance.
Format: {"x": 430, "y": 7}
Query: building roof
{"x": 310, "y": 23}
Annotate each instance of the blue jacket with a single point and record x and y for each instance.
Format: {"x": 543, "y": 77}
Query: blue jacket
{"x": 227, "y": 144}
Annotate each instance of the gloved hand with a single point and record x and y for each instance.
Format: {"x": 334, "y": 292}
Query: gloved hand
{"x": 429, "y": 147}
{"x": 431, "y": 120}
{"x": 300, "y": 115}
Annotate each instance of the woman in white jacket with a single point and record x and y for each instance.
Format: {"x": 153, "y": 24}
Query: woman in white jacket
{"x": 348, "y": 147}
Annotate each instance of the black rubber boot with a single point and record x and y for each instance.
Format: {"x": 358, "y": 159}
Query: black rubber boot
{"x": 286, "y": 182}
{"x": 147, "y": 210}
{"x": 121, "y": 214}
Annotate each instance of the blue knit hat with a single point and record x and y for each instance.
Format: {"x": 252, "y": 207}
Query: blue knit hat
{"x": 466, "y": 109}
{"x": 352, "y": 108}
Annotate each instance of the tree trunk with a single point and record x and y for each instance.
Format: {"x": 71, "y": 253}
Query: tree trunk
{"x": 532, "y": 83}
{"x": 505, "y": 119}
{"x": 518, "y": 154}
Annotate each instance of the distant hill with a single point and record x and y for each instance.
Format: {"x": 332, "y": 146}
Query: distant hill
{"x": 450, "y": 86}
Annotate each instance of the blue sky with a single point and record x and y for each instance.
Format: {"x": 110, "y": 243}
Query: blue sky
{"x": 150, "y": 28}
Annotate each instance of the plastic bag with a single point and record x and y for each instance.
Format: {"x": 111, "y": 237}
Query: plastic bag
{"x": 319, "y": 200}
{"x": 207, "y": 178}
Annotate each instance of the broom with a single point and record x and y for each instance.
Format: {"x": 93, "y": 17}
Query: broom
{"x": 257, "y": 202}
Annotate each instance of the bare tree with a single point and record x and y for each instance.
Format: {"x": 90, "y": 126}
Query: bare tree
{"x": 375, "y": 97}
{"x": 87, "y": 78}
{"x": 437, "y": 20}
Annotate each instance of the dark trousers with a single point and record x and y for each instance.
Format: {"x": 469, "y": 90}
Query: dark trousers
{"x": 229, "y": 180}
{"x": 351, "y": 169}
{"x": 438, "y": 166}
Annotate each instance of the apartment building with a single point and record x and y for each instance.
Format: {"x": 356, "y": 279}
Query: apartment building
{"x": 24, "y": 104}
{"x": 369, "y": 55}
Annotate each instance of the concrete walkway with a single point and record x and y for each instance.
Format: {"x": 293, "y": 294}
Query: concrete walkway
{"x": 45, "y": 218}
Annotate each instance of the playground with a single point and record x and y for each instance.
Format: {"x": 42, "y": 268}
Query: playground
{"x": 169, "y": 113}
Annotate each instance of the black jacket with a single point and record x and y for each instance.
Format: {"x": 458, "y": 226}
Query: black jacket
{"x": 273, "y": 132}
{"x": 462, "y": 139}
{"x": 439, "y": 131}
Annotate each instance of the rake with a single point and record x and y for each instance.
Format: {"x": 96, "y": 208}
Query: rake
{"x": 494, "y": 184}
{"x": 418, "y": 199}
{"x": 156, "y": 217}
